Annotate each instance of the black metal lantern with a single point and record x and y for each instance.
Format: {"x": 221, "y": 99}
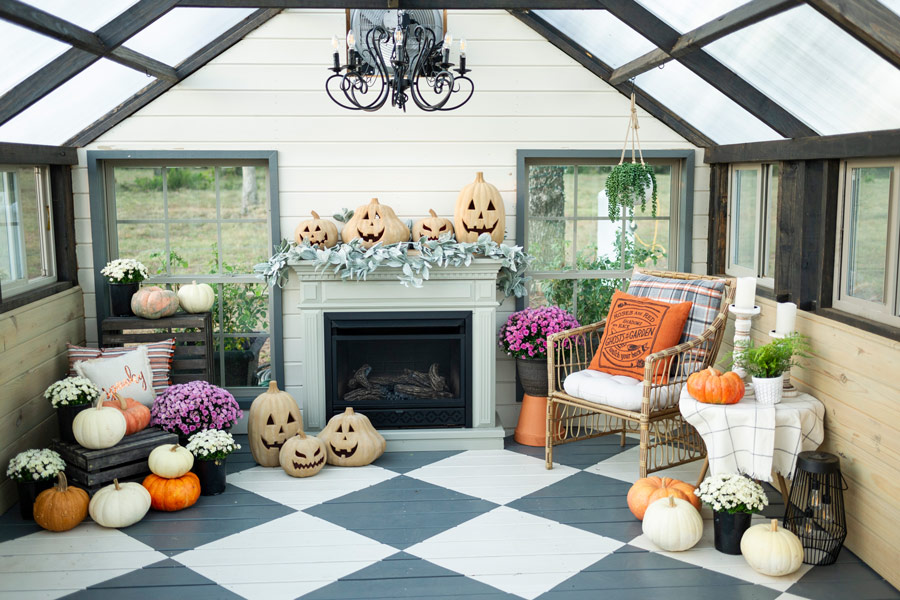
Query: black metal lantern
{"x": 815, "y": 511}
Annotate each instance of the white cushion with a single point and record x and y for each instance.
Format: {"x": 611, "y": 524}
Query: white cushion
{"x": 128, "y": 374}
{"x": 617, "y": 391}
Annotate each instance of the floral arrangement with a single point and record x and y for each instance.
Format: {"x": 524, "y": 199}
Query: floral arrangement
{"x": 35, "y": 465}
{"x": 524, "y": 335}
{"x": 732, "y": 493}
{"x": 72, "y": 391}
{"x": 188, "y": 407}
{"x": 212, "y": 444}
{"x": 125, "y": 270}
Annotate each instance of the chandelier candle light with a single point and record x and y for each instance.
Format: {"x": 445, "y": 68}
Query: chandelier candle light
{"x": 744, "y": 309}
{"x": 785, "y": 325}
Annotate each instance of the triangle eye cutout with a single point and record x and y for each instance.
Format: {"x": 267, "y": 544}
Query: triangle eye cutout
{"x": 291, "y": 418}
{"x": 349, "y": 428}
{"x": 471, "y": 205}
{"x": 491, "y": 205}
{"x": 270, "y": 421}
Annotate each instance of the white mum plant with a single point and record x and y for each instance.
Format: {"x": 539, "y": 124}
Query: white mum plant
{"x": 212, "y": 444}
{"x": 732, "y": 493}
{"x": 72, "y": 391}
{"x": 35, "y": 465}
{"x": 125, "y": 270}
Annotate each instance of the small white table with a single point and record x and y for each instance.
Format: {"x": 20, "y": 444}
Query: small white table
{"x": 756, "y": 439}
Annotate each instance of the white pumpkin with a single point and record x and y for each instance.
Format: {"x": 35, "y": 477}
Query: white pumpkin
{"x": 119, "y": 504}
{"x": 99, "y": 427}
{"x": 170, "y": 461}
{"x": 772, "y": 550}
{"x": 196, "y": 297}
{"x": 673, "y": 524}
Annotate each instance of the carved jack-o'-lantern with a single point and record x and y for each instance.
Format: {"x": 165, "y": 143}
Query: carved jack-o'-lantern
{"x": 373, "y": 223}
{"x": 303, "y": 455}
{"x": 431, "y": 228}
{"x": 317, "y": 232}
{"x": 351, "y": 440}
{"x": 274, "y": 418}
{"x": 479, "y": 209}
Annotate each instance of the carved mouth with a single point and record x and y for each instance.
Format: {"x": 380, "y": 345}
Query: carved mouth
{"x": 345, "y": 452}
{"x": 479, "y": 230}
{"x": 272, "y": 444}
{"x": 370, "y": 237}
{"x": 310, "y": 465}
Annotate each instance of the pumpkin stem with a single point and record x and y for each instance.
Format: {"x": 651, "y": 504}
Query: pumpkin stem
{"x": 314, "y": 214}
{"x": 433, "y": 214}
{"x": 62, "y": 484}
{"x": 671, "y": 500}
{"x": 273, "y": 387}
{"x": 374, "y": 201}
{"x": 121, "y": 401}
{"x": 479, "y": 176}
{"x": 774, "y": 525}
{"x": 349, "y": 410}
{"x": 175, "y": 448}
{"x": 116, "y": 483}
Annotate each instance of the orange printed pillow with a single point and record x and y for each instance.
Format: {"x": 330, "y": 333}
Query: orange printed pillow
{"x": 636, "y": 328}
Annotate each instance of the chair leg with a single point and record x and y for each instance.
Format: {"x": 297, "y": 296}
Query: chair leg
{"x": 622, "y": 441}
{"x": 645, "y": 445}
{"x": 703, "y": 471}
{"x": 548, "y": 439}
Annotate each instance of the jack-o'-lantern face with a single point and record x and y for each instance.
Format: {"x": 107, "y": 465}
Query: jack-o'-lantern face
{"x": 479, "y": 209}
{"x": 316, "y": 232}
{"x": 432, "y": 228}
{"x": 351, "y": 440}
{"x": 303, "y": 456}
{"x": 373, "y": 223}
{"x": 274, "y": 418}
{"x": 343, "y": 443}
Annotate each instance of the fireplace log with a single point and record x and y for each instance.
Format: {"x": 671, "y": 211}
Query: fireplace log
{"x": 363, "y": 394}
{"x": 420, "y": 392}
{"x": 415, "y": 384}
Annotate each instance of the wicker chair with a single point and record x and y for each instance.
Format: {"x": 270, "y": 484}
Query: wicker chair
{"x": 666, "y": 440}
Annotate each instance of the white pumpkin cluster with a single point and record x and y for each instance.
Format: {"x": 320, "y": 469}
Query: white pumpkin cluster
{"x": 211, "y": 444}
{"x": 34, "y": 465}
{"x": 72, "y": 390}
{"x": 125, "y": 270}
{"x": 729, "y": 491}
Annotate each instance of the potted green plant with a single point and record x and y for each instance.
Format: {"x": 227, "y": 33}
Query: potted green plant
{"x": 627, "y": 183}
{"x": 767, "y": 364}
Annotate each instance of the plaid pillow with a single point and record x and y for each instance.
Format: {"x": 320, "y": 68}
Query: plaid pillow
{"x": 704, "y": 294}
{"x": 160, "y": 354}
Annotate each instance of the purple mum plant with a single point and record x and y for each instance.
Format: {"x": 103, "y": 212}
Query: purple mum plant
{"x": 524, "y": 335}
{"x": 188, "y": 407}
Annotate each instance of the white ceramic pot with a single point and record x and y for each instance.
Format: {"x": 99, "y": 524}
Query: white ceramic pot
{"x": 768, "y": 389}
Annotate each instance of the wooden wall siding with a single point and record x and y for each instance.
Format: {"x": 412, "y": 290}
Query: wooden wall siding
{"x": 854, "y": 373}
{"x": 267, "y": 93}
{"x": 33, "y": 346}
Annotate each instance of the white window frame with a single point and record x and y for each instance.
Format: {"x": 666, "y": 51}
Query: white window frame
{"x": 887, "y": 311}
{"x": 761, "y": 242}
{"x": 45, "y": 222}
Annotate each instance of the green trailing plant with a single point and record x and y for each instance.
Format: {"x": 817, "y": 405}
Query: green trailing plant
{"x": 628, "y": 183}
{"x": 774, "y": 358}
{"x": 244, "y": 306}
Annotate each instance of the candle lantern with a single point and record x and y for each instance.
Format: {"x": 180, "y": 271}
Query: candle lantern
{"x": 815, "y": 510}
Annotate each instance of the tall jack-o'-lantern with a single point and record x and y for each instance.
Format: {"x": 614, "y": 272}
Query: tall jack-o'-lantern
{"x": 351, "y": 440}
{"x": 479, "y": 209}
{"x": 274, "y": 418}
{"x": 373, "y": 223}
{"x": 431, "y": 228}
{"x": 317, "y": 232}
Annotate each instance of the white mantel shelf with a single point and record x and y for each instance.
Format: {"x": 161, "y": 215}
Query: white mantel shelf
{"x": 472, "y": 288}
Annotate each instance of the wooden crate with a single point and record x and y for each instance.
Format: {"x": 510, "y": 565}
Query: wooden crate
{"x": 93, "y": 469}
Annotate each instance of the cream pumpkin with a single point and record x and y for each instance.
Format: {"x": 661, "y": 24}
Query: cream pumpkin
{"x": 153, "y": 302}
{"x": 303, "y": 455}
{"x": 772, "y": 550}
{"x": 479, "y": 209}
{"x": 196, "y": 297}
{"x": 374, "y": 223}
{"x": 274, "y": 418}
{"x": 99, "y": 427}
{"x": 673, "y": 524}
{"x": 351, "y": 440}
{"x": 170, "y": 461}
{"x": 431, "y": 228}
{"x": 119, "y": 504}
{"x": 316, "y": 232}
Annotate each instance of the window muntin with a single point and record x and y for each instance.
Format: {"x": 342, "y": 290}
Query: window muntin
{"x": 27, "y": 254}
{"x": 752, "y": 221}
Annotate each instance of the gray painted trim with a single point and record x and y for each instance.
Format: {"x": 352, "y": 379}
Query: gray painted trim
{"x": 100, "y": 229}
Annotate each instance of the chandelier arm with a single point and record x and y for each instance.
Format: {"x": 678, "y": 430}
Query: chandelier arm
{"x": 363, "y": 81}
{"x": 424, "y": 69}
{"x": 343, "y": 90}
{"x": 458, "y": 80}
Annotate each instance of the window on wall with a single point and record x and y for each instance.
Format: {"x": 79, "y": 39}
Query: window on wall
{"x": 208, "y": 223}
{"x": 581, "y": 257}
{"x": 752, "y": 221}
{"x": 27, "y": 256}
{"x": 868, "y": 249}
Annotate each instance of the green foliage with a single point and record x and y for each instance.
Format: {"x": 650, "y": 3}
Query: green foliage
{"x": 176, "y": 179}
{"x": 774, "y": 358}
{"x": 344, "y": 216}
{"x": 626, "y": 184}
{"x": 174, "y": 260}
{"x": 244, "y": 307}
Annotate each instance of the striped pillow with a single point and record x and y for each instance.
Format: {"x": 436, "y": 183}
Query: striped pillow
{"x": 160, "y": 354}
{"x": 705, "y": 296}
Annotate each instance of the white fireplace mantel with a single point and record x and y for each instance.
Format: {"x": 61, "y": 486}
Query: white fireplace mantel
{"x": 471, "y": 288}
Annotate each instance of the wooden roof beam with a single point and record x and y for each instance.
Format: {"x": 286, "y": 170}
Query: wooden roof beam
{"x": 869, "y": 21}
{"x": 35, "y": 154}
{"x": 405, "y": 4}
{"x": 865, "y": 144}
{"x": 735, "y": 20}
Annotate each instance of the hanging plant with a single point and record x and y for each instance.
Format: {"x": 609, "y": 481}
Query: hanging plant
{"x": 628, "y": 182}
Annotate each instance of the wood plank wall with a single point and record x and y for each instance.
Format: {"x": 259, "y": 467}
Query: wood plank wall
{"x": 267, "y": 93}
{"x": 854, "y": 373}
{"x": 33, "y": 346}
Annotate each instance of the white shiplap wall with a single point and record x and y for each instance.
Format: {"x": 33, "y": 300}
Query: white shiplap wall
{"x": 266, "y": 93}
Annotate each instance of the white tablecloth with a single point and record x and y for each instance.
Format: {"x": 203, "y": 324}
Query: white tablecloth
{"x": 754, "y": 439}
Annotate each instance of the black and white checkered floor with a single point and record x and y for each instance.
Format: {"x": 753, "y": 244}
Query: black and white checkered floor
{"x": 476, "y": 525}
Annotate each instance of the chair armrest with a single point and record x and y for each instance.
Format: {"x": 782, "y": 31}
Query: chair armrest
{"x": 571, "y": 350}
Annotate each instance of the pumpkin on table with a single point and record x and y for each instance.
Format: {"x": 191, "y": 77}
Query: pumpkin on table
{"x": 274, "y": 418}
{"x": 712, "y": 387}
{"x": 99, "y": 427}
{"x": 137, "y": 416}
{"x": 351, "y": 440}
{"x": 62, "y": 507}
{"x": 153, "y": 302}
{"x": 303, "y": 455}
{"x": 171, "y": 494}
{"x": 772, "y": 550}
{"x": 119, "y": 504}
{"x": 196, "y": 297}
{"x": 649, "y": 489}
{"x": 316, "y": 232}
{"x": 374, "y": 223}
{"x": 673, "y": 524}
{"x": 431, "y": 228}
{"x": 479, "y": 209}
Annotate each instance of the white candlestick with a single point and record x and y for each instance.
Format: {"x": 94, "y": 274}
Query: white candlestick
{"x": 745, "y": 296}
{"x": 785, "y": 318}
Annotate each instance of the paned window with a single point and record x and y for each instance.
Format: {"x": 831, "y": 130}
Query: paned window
{"x": 753, "y": 221}
{"x": 27, "y": 255}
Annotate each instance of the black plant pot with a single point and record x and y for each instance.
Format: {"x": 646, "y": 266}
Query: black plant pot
{"x": 728, "y": 529}
{"x": 533, "y": 376}
{"x": 211, "y": 474}
{"x": 28, "y": 493}
{"x": 120, "y": 298}
{"x": 65, "y": 415}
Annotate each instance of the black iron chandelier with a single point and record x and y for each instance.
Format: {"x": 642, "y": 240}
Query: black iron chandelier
{"x": 403, "y": 62}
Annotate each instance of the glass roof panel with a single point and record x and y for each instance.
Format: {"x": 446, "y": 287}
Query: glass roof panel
{"x": 824, "y": 76}
{"x": 182, "y": 31}
{"x": 24, "y": 52}
{"x": 89, "y": 14}
{"x": 685, "y": 15}
{"x": 894, "y": 5}
{"x": 703, "y": 106}
{"x": 74, "y": 105}
{"x": 600, "y": 33}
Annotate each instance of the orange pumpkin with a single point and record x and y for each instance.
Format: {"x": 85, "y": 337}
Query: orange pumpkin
{"x": 62, "y": 507}
{"x": 153, "y": 302}
{"x": 712, "y": 387}
{"x": 649, "y": 489}
{"x": 172, "y": 494}
{"x": 137, "y": 416}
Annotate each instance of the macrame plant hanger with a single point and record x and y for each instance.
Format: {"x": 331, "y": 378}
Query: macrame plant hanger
{"x": 632, "y": 133}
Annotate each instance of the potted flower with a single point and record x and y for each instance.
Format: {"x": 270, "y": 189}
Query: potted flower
{"x": 186, "y": 408}
{"x": 733, "y": 499}
{"x": 767, "y": 364}
{"x": 33, "y": 471}
{"x": 211, "y": 447}
{"x": 124, "y": 276}
{"x": 69, "y": 397}
{"x": 524, "y": 336}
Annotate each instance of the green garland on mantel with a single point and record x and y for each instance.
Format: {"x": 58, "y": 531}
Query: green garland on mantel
{"x": 352, "y": 261}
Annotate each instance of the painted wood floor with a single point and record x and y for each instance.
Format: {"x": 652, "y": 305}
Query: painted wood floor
{"x": 480, "y": 525}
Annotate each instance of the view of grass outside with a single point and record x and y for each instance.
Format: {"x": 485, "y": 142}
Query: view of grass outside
{"x": 20, "y": 226}
{"x": 744, "y": 195}
{"x": 868, "y": 224}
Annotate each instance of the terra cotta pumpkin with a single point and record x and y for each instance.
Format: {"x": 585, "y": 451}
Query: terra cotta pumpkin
{"x": 303, "y": 455}
{"x": 153, "y": 302}
{"x": 431, "y": 228}
{"x": 479, "y": 209}
{"x": 317, "y": 232}
{"x": 374, "y": 223}
{"x": 274, "y": 418}
{"x": 137, "y": 416}
{"x": 351, "y": 440}
{"x": 649, "y": 489}
{"x": 172, "y": 494}
{"x": 62, "y": 507}
{"x": 712, "y": 387}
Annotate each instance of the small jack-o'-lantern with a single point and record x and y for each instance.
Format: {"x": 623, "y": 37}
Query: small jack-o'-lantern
{"x": 431, "y": 228}
{"x": 351, "y": 440}
{"x": 479, "y": 209}
{"x": 373, "y": 223}
{"x": 317, "y": 232}
{"x": 274, "y": 418}
{"x": 303, "y": 455}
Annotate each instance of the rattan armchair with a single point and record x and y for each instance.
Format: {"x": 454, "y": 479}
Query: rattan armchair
{"x": 666, "y": 439}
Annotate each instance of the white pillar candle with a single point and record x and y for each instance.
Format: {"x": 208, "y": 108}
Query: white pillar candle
{"x": 785, "y": 318}
{"x": 745, "y": 297}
